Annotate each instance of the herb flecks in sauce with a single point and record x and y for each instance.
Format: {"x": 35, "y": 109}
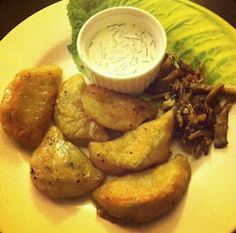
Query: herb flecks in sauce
{"x": 122, "y": 49}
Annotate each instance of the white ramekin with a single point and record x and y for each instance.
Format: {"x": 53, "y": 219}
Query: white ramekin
{"x": 133, "y": 84}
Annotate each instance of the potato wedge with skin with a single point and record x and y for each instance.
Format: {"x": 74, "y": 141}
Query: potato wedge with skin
{"x": 59, "y": 169}
{"x": 116, "y": 111}
{"x": 28, "y": 104}
{"x": 144, "y": 196}
{"x": 70, "y": 117}
{"x": 135, "y": 150}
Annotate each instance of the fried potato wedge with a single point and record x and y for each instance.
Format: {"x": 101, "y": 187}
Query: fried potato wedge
{"x": 28, "y": 104}
{"x": 59, "y": 169}
{"x": 116, "y": 111}
{"x": 70, "y": 117}
{"x": 135, "y": 150}
{"x": 144, "y": 196}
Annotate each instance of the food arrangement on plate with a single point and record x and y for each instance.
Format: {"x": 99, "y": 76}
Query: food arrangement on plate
{"x": 127, "y": 105}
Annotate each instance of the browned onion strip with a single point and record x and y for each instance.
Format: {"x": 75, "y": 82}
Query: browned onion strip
{"x": 214, "y": 93}
{"x": 199, "y": 118}
{"x": 221, "y": 127}
{"x": 172, "y": 76}
{"x": 230, "y": 90}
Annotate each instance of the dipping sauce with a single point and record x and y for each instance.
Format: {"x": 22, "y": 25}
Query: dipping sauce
{"x": 123, "y": 49}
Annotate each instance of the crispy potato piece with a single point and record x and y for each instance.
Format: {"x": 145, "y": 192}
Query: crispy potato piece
{"x": 70, "y": 117}
{"x": 59, "y": 169}
{"x": 144, "y": 196}
{"x": 135, "y": 150}
{"x": 28, "y": 103}
{"x": 116, "y": 111}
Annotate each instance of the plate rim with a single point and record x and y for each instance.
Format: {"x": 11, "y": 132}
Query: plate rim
{"x": 61, "y": 3}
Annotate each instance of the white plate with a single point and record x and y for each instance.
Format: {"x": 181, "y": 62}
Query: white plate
{"x": 208, "y": 207}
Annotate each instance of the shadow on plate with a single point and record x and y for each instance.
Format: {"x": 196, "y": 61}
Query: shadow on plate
{"x": 59, "y": 55}
{"x": 11, "y": 151}
{"x": 59, "y": 210}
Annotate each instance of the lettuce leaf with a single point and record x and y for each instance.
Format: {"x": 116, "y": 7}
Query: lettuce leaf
{"x": 78, "y": 12}
{"x": 194, "y": 34}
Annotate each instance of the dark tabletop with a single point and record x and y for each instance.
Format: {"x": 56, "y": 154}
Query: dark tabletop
{"x": 12, "y": 12}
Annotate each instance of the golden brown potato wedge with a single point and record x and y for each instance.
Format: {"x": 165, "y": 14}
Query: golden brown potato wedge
{"x": 59, "y": 169}
{"x": 116, "y": 111}
{"x": 144, "y": 196}
{"x": 135, "y": 150}
{"x": 70, "y": 117}
{"x": 28, "y": 104}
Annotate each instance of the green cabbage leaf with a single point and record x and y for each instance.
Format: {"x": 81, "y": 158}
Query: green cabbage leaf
{"x": 194, "y": 34}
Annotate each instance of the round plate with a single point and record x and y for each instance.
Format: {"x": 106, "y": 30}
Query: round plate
{"x": 209, "y": 205}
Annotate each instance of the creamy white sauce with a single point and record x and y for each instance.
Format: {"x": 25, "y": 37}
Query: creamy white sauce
{"x": 123, "y": 49}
